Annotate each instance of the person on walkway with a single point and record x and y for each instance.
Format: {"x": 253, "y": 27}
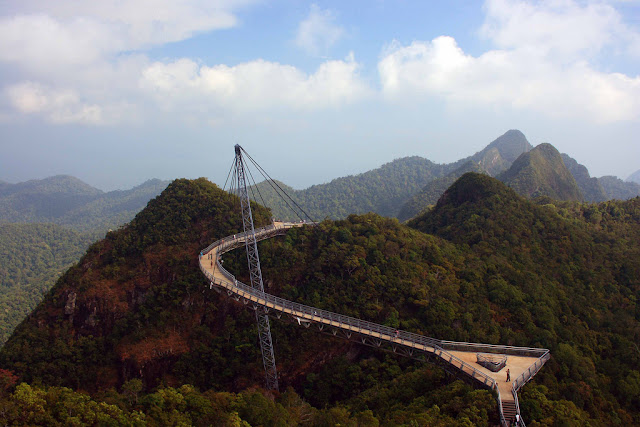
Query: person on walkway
{"x": 397, "y": 333}
{"x": 508, "y": 375}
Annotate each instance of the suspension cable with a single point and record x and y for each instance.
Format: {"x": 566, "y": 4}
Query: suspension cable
{"x": 271, "y": 181}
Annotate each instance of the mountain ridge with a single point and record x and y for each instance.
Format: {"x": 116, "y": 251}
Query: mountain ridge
{"x": 66, "y": 200}
{"x": 497, "y": 269}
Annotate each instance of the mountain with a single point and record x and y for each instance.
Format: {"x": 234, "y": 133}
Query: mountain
{"x": 634, "y": 177}
{"x": 499, "y": 154}
{"x": 618, "y": 189}
{"x": 32, "y": 256}
{"x": 542, "y": 172}
{"x": 386, "y": 189}
{"x": 485, "y": 265}
{"x": 60, "y": 185}
{"x": 590, "y": 187}
{"x": 553, "y": 264}
{"x": 382, "y": 190}
{"x": 430, "y": 194}
{"x": 66, "y": 200}
{"x": 35, "y": 254}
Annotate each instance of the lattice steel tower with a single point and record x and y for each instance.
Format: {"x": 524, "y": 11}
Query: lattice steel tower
{"x": 264, "y": 330}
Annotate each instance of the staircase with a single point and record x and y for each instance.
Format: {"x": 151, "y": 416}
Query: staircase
{"x": 509, "y": 411}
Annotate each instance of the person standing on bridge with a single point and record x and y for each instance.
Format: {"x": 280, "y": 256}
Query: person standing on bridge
{"x": 508, "y": 375}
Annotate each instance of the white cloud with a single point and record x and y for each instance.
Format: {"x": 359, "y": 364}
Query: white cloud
{"x": 65, "y": 106}
{"x": 564, "y": 29}
{"x": 59, "y": 106}
{"x": 253, "y": 86}
{"x": 84, "y": 54}
{"x": 542, "y": 63}
{"x": 63, "y": 33}
{"x": 318, "y": 32}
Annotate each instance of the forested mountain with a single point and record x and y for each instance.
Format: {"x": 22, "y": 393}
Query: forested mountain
{"x": 499, "y": 154}
{"x": 66, "y": 200}
{"x": 32, "y": 256}
{"x": 386, "y": 189}
{"x": 542, "y": 172}
{"x": 603, "y": 188}
{"x": 382, "y": 190}
{"x": 590, "y": 187}
{"x": 634, "y": 177}
{"x": 484, "y": 265}
{"x": 430, "y": 194}
{"x": 618, "y": 189}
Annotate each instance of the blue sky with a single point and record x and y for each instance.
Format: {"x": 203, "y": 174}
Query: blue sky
{"x": 116, "y": 93}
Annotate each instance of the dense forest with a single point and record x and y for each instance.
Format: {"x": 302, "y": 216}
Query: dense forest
{"x": 133, "y": 322}
{"x": 65, "y": 200}
{"x": 431, "y": 192}
{"x": 45, "y": 226}
{"x": 542, "y": 172}
{"x": 33, "y": 257}
{"x": 382, "y": 190}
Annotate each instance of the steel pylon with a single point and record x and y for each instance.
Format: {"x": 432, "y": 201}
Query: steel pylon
{"x": 264, "y": 329}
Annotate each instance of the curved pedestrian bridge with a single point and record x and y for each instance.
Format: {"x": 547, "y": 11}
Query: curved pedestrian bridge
{"x": 460, "y": 357}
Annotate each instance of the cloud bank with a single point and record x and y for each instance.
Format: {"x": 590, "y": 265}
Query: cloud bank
{"x": 542, "y": 64}
{"x": 86, "y": 63}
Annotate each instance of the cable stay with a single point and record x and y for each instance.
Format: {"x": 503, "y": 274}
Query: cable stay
{"x": 254, "y": 188}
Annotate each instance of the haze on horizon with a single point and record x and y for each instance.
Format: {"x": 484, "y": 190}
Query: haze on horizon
{"x": 117, "y": 94}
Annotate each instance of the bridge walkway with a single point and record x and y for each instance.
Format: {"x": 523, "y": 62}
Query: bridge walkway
{"x": 522, "y": 362}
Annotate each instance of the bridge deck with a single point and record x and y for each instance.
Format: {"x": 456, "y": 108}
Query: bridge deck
{"x": 464, "y": 360}
{"x": 522, "y": 362}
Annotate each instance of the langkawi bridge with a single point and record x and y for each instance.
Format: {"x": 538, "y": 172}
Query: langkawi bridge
{"x": 485, "y": 364}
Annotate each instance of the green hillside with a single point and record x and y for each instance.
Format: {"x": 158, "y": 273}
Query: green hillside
{"x": 431, "y": 192}
{"x": 495, "y": 268}
{"x": 32, "y": 256}
{"x": 590, "y": 187}
{"x": 618, "y": 189}
{"x": 385, "y": 190}
{"x": 66, "y": 200}
{"x": 382, "y": 190}
{"x": 35, "y": 254}
{"x": 541, "y": 172}
{"x": 499, "y": 154}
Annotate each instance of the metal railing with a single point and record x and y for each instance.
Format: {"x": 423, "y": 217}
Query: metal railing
{"x": 492, "y": 362}
{"x": 309, "y": 314}
{"x": 524, "y": 378}
{"x": 306, "y": 313}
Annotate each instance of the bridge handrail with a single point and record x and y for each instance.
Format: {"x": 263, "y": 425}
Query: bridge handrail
{"x": 494, "y": 348}
{"x": 530, "y": 372}
{"x": 403, "y": 338}
{"x": 309, "y": 314}
{"x": 524, "y": 378}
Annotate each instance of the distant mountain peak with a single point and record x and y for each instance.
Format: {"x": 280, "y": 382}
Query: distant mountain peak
{"x": 634, "y": 177}
{"x": 591, "y": 187}
{"x": 542, "y": 172}
{"x": 511, "y": 145}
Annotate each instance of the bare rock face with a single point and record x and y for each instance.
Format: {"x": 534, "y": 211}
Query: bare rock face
{"x": 70, "y": 306}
